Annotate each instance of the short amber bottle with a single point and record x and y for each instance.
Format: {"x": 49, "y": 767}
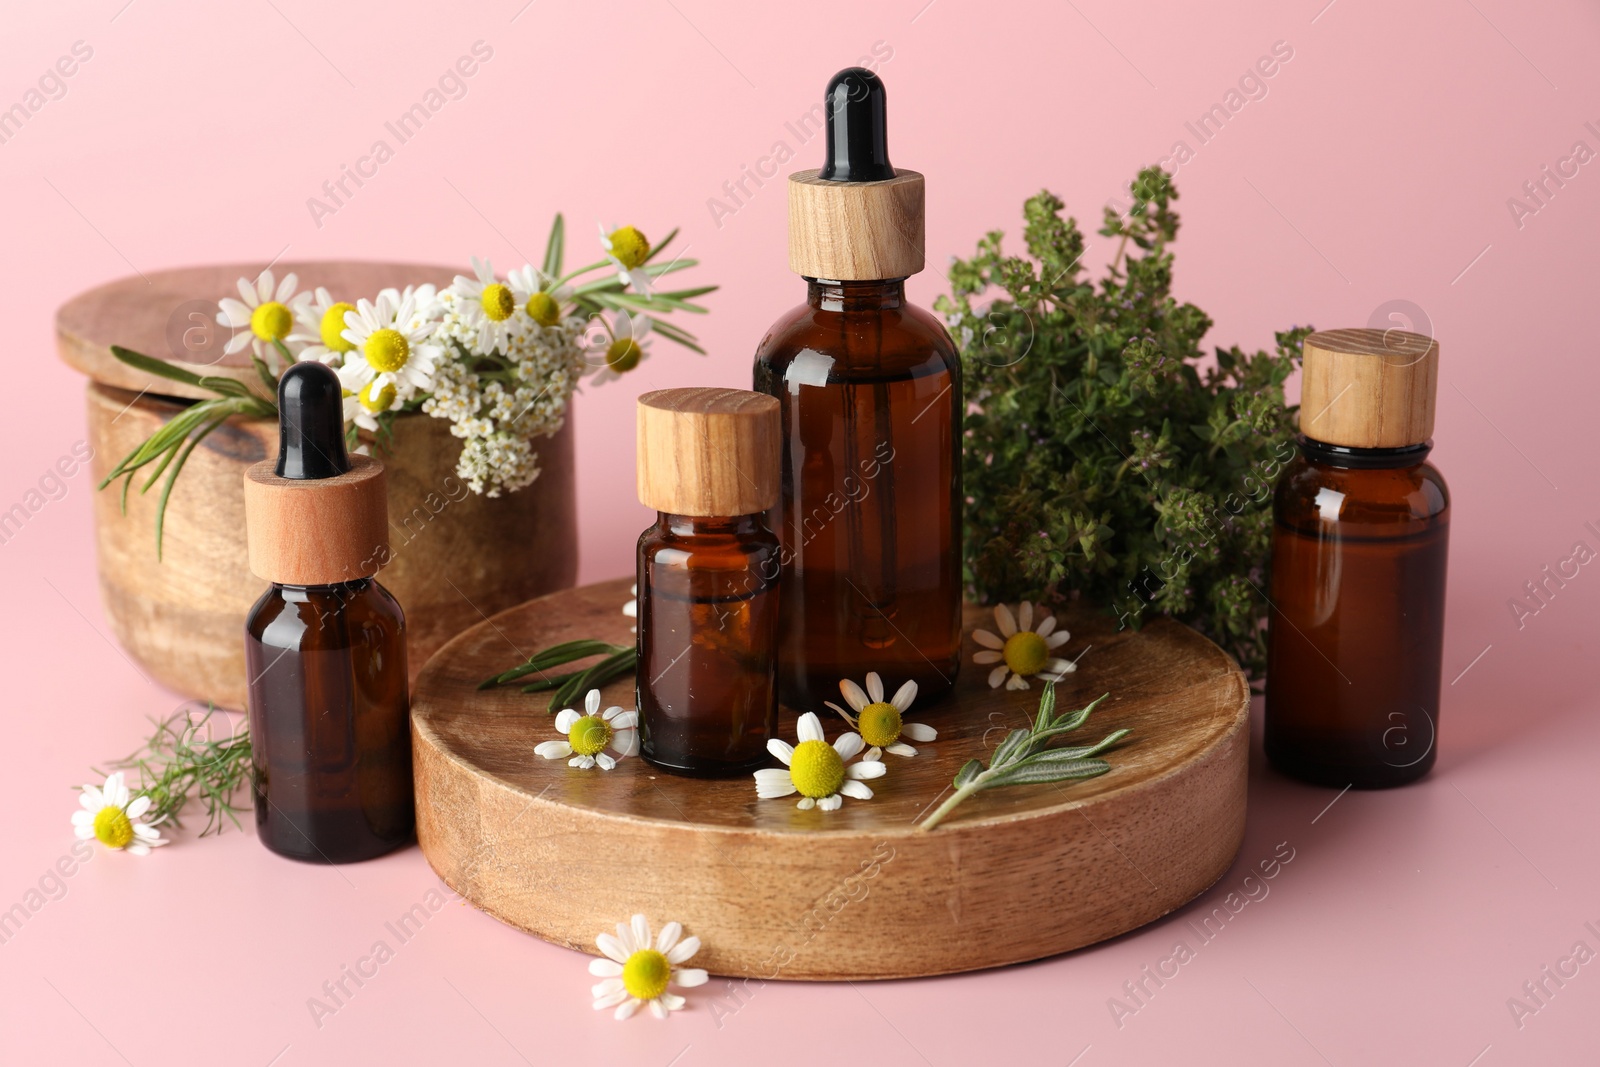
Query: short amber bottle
{"x": 870, "y": 393}
{"x": 1361, "y": 525}
{"x": 325, "y": 649}
{"x": 708, "y": 573}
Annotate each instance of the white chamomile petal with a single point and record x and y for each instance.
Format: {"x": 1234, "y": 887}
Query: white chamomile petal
{"x": 1025, "y": 615}
{"x": 669, "y": 936}
{"x": 626, "y": 1009}
{"x": 658, "y": 1008}
{"x": 1006, "y": 621}
{"x": 624, "y": 720}
{"x": 853, "y": 788}
{"x": 566, "y": 720}
{"x": 853, "y": 695}
{"x": 641, "y": 933}
{"x": 904, "y": 696}
{"x": 604, "y": 761}
{"x": 672, "y": 1001}
{"x": 583, "y": 763}
{"x": 1046, "y": 626}
{"x": 809, "y": 728}
{"x": 605, "y": 967}
{"x": 1017, "y": 681}
{"x": 782, "y": 750}
{"x": 918, "y": 731}
{"x": 832, "y": 803}
{"x": 806, "y": 804}
{"x": 610, "y": 999}
{"x": 683, "y": 950}
{"x": 771, "y": 782}
{"x": 987, "y": 639}
{"x": 865, "y": 769}
{"x": 1057, "y": 640}
{"x": 848, "y": 745}
{"x": 553, "y": 749}
{"x": 998, "y": 675}
{"x": 986, "y": 657}
{"x": 139, "y": 806}
{"x": 690, "y": 977}
{"x": 591, "y": 702}
{"x": 625, "y": 742}
{"x": 874, "y": 686}
{"x": 900, "y": 748}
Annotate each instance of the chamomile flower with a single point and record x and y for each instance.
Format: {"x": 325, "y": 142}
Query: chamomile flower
{"x": 880, "y": 721}
{"x": 373, "y": 399}
{"x": 821, "y": 773}
{"x": 627, "y": 249}
{"x": 631, "y": 608}
{"x": 538, "y": 294}
{"x": 321, "y": 329}
{"x": 589, "y": 735}
{"x": 637, "y": 971}
{"x": 487, "y": 305}
{"x": 391, "y": 342}
{"x": 629, "y": 347}
{"x": 1022, "y": 650}
{"x": 116, "y": 821}
{"x": 268, "y": 308}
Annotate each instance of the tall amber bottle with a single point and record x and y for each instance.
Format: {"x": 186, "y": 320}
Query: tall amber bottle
{"x": 330, "y": 730}
{"x": 869, "y": 389}
{"x": 1361, "y": 522}
{"x": 708, "y": 580}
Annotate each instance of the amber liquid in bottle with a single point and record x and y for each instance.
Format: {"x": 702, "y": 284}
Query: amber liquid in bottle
{"x": 1356, "y": 636}
{"x": 708, "y": 632}
{"x": 329, "y": 721}
{"x": 870, "y": 391}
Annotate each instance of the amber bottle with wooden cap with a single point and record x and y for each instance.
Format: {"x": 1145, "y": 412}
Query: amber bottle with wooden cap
{"x": 1361, "y": 520}
{"x": 870, "y": 393}
{"x": 325, "y": 647}
{"x": 708, "y": 580}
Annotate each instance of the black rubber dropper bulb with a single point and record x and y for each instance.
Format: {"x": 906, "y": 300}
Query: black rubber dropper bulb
{"x": 311, "y": 424}
{"x": 858, "y": 136}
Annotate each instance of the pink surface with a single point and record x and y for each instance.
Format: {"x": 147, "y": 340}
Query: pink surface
{"x": 1377, "y": 167}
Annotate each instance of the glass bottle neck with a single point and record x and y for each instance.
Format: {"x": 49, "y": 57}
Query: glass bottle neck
{"x": 1363, "y": 458}
{"x": 296, "y": 593}
{"x": 708, "y": 526}
{"x": 855, "y": 296}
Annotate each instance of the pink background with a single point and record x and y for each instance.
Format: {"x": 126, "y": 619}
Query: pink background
{"x": 1377, "y": 168}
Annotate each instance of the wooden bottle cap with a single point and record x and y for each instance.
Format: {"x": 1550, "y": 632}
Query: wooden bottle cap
{"x": 1369, "y": 388}
{"x": 710, "y": 452}
{"x": 317, "y": 532}
{"x": 855, "y": 231}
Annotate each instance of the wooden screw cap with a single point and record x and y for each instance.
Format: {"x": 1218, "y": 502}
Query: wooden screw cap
{"x": 1369, "y": 388}
{"x": 855, "y": 231}
{"x": 317, "y": 532}
{"x": 710, "y": 452}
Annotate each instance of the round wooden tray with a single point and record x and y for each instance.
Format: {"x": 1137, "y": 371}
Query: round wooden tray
{"x": 859, "y": 893}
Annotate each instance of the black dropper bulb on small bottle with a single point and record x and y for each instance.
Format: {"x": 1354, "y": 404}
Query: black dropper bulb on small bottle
{"x": 858, "y": 137}
{"x": 311, "y": 423}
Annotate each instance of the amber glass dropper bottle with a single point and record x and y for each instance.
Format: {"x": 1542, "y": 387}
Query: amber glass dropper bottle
{"x": 869, "y": 390}
{"x": 1361, "y": 521}
{"x": 330, "y": 732}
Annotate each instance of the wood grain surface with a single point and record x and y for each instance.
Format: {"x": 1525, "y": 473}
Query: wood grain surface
{"x": 859, "y": 893}
{"x": 856, "y": 231}
{"x": 1369, "y": 388}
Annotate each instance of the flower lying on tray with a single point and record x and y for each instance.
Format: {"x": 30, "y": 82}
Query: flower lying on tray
{"x": 821, "y": 773}
{"x": 1022, "y": 650}
{"x": 590, "y": 735}
{"x": 881, "y": 722}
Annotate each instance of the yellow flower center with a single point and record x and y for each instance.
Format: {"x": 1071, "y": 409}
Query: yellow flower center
{"x": 113, "y": 827}
{"x": 1025, "y": 652}
{"x": 387, "y": 350}
{"x": 271, "y": 321}
{"x": 879, "y": 724}
{"x": 543, "y": 309}
{"x": 629, "y": 246}
{"x": 623, "y": 355}
{"x": 379, "y": 400}
{"x": 333, "y": 327}
{"x": 498, "y": 303}
{"x": 816, "y": 769}
{"x": 590, "y": 735}
{"x": 646, "y": 974}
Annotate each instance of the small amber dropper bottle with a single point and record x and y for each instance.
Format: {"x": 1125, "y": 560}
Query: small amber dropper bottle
{"x": 708, "y": 580}
{"x": 330, "y": 731}
{"x": 1361, "y": 523}
{"x": 870, "y": 392}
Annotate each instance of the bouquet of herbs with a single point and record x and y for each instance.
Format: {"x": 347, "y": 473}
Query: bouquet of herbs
{"x": 499, "y": 357}
{"x": 1105, "y": 457}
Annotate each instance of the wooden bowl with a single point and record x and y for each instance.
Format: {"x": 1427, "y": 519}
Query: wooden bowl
{"x": 859, "y": 893}
{"x": 459, "y": 557}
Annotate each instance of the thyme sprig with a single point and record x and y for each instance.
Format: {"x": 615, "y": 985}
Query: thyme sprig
{"x": 1025, "y": 758}
{"x": 183, "y": 760}
{"x": 619, "y": 660}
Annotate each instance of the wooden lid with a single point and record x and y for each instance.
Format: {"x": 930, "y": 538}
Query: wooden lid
{"x": 319, "y": 531}
{"x": 712, "y": 452}
{"x": 172, "y": 315}
{"x": 1369, "y": 388}
{"x": 855, "y": 231}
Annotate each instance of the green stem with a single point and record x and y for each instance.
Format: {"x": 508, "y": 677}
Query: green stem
{"x": 955, "y": 798}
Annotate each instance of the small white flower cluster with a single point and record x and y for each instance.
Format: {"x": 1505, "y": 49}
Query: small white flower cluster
{"x": 499, "y": 409}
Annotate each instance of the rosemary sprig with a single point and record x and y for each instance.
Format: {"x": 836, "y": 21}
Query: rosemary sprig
{"x": 182, "y": 760}
{"x": 1025, "y": 758}
{"x": 619, "y": 660}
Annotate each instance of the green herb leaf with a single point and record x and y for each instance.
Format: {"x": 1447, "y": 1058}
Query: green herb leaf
{"x": 555, "y": 246}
